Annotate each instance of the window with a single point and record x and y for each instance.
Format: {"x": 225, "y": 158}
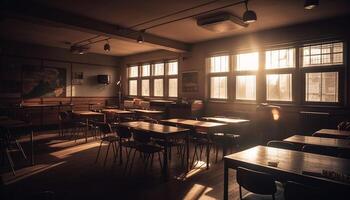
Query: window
{"x": 322, "y": 54}
{"x": 321, "y": 87}
{"x": 279, "y": 87}
{"x": 172, "y": 68}
{"x": 133, "y": 71}
{"x": 158, "y": 87}
{"x": 246, "y": 87}
{"x": 146, "y": 70}
{"x": 219, "y": 64}
{"x": 133, "y": 87}
{"x": 282, "y": 58}
{"x": 158, "y": 69}
{"x": 322, "y": 83}
{"x": 145, "y": 87}
{"x": 218, "y": 88}
{"x": 153, "y": 79}
{"x": 247, "y": 61}
{"x": 219, "y": 71}
{"x": 173, "y": 87}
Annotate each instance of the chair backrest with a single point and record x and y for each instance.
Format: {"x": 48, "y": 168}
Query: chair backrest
{"x": 282, "y": 145}
{"x": 329, "y": 151}
{"x": 124, "y": 132}
{"x": 63, "y": 116}
{"x": 293, "y": 190}
{"x": 256, "y": 182}
{"x": 105, "y": 128}
{"x": 141, "y": 136}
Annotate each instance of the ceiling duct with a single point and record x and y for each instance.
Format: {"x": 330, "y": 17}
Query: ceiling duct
{"x": 79, "y": 49}
{"x": 221, "y": 22}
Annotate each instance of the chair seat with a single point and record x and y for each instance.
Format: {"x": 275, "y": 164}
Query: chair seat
{"x": 110, "y": 138}
{"x": 279, "y": 195}
{"x": 169, "y": 143}
{"x": 128, "y": 143}
{"x": 146, "y": 148}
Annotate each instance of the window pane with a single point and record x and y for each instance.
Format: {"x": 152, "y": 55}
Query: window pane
{"x": 322, "y": 55}
{"x": 158, "y": 87}
{"x": 283, "y": 58}
{"x": 219, "y": 64}
{"x": 146, "y": 70}
{"x": 279, "y": 87}
{"x": 158, "y": 69}
{"x": 172, "y": 68}
{"x": 218, "y": 87}
{"x": 145, "y": 87}
{"x": 246, "y": 87}
{"x": 133, "y": 71}
{"x": 321, "y": 87}
{"x": 173, "y": 87}
{"x": 248, "y": 61}
{"x": 133, "y": 87}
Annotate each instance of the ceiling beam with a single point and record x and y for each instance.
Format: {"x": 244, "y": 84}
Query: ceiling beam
{"x": 41, "y": 14}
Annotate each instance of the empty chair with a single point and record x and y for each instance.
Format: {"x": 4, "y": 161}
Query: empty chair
{"x": 125, "y": 141}
{"x": 298, "y": 191}
{"x": 258, "y": 184}
{"x": 146, "y": 148}
{"x": 282, "y": 145}
{"x": 110, "y": 137}
{"x": 225, "y": 141}
{"x": 329, "y": 151}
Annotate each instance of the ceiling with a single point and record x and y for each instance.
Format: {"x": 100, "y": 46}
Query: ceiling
{"x": 129, "y": 13}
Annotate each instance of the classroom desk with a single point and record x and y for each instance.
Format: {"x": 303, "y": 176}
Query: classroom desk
{"x": 295, "y": 166}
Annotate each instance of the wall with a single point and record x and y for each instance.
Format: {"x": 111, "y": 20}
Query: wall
{"x": 336, "y": 28}
{"x": 18, "y": 56}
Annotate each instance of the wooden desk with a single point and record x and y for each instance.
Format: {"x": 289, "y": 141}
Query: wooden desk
{"x": 227, "y": 120}
{"x": 209, "y": 127}
{"x": 162, "y": 132}
{"x": 148, "y": 113}
{"x": 116, "y": 111}
{"x": 292, "y": 166}
{"x": 88, "y": 115}
{"x": 332, "y": 133}
{"x": 319, "y": 141}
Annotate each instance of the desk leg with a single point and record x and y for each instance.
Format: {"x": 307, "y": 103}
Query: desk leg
{"x": 208, "y": 155}
{"x": 187, "y": 152}
{"x": 225, "y": 181}
{"x": 87, "y": 130}
{"x": 165, "y": 162}
{"x": 32, "y": 146}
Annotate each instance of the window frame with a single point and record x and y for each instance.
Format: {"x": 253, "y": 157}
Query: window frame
{"x": 219, "y": 74}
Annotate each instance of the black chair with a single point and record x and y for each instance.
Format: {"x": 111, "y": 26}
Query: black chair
{"x": 145, "y": 148}
{"x": 328, "y": 151}
{"x": 298, "y": 191}
{"x": 225, "y": 141}
{"x": 282, "y": 145}
{"x": 257, "y": 183}
{"x": 110, "y": 137}
{"x": 125, "y": 142}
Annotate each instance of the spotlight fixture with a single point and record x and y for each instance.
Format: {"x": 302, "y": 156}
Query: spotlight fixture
{"x": 107, "y": 47}
{"x": 140, "y": 38}
{"x": 310, "y": 4}
{"x": 249, "y": 16}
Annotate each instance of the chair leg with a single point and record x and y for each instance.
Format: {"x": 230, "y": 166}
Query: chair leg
{"x": 160, "y": 161}
{"x": 19, "y": 146}
{"x": 106, "y": 154}
{"x": 152, "y": 160}
{"x": 98, "y": 152}
{"x": 10, "y": 161}
{"x": 132, "y": 161}
{"x": 240, "y": 192}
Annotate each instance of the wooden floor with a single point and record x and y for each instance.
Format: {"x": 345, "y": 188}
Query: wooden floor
{"x": 67, "y": 168}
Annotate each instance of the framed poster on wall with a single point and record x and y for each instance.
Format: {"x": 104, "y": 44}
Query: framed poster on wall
{"x": 190, "y": 81}
{"x": 43, "y": 82}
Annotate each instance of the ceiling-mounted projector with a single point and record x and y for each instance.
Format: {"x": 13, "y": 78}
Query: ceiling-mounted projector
{"x": 74, "y": 49}
{"x": 221, "y": 22}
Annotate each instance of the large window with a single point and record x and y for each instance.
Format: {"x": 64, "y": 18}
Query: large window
{"x": 322, "y": 66}
{"x": 219, "y": 68}
{"x": 280, "y": 66}
{"x": 158, "y": 79}
{"x": 297, "y": 74}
